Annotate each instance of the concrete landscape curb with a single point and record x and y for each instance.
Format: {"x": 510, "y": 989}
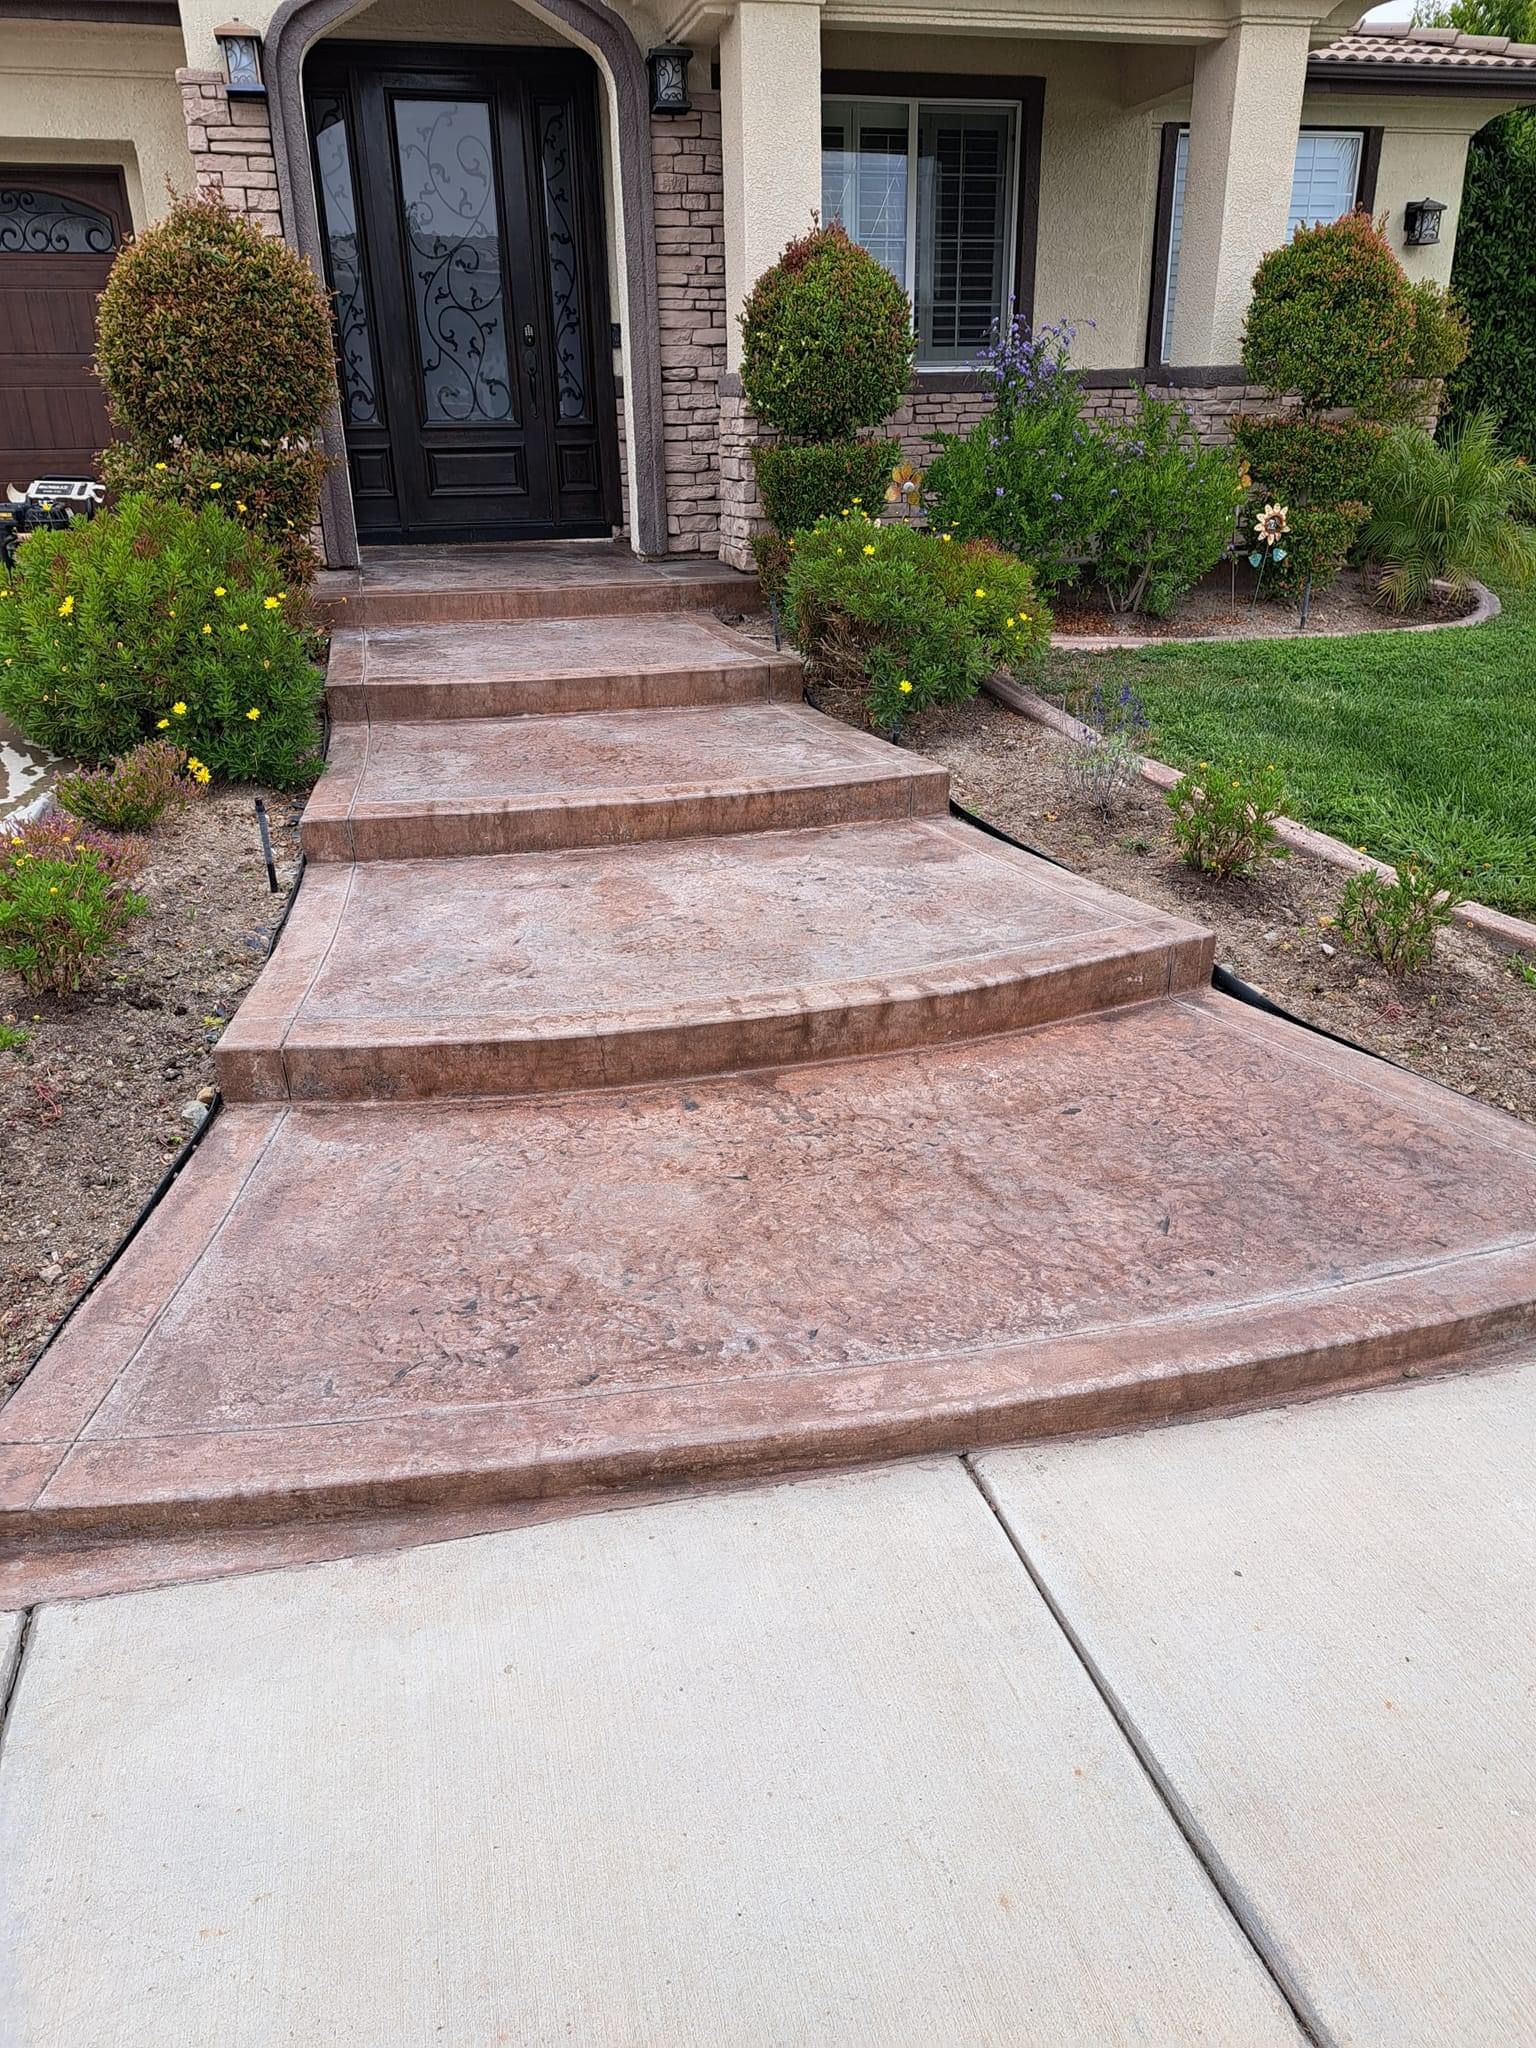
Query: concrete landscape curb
{"x": 1492, "y": 924}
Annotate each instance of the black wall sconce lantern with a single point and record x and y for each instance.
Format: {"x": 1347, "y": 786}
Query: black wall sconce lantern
{"x": 1421, "y": 222}
{"x": 669, "y": 79}
{"x": 240, "y": 47}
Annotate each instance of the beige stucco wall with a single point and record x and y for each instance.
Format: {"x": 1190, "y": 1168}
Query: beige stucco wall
{"x": 1098, "y": 168}
{"x": 103, "y": 95}
{"x": 1104, "y": 109}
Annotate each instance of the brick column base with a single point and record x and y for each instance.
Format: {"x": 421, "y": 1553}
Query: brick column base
{"x": 230, "y": 141}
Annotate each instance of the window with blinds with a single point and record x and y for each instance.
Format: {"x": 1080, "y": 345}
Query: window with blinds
{"x": 1325, "y": 183}
{"x": 930, "y": 189}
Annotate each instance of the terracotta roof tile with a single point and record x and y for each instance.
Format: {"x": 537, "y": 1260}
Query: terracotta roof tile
{"x": 1399, "y": 44}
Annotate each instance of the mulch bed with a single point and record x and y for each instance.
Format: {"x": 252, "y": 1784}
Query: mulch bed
{"x": 101, "y": 1100}
{"x": 1467, "y": 1020}
{"x": 1220, "y": 607}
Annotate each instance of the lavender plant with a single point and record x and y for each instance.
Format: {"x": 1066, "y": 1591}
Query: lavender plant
{"x": 1103, "y": 769}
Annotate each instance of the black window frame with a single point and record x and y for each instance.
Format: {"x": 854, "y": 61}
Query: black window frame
{"x": 1162, "y": 220}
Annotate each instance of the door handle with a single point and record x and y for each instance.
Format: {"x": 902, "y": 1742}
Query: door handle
{"x": 531, "y": 367}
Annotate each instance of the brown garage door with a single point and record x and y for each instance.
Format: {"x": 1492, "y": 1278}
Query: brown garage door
{"x": 58, "y": 233}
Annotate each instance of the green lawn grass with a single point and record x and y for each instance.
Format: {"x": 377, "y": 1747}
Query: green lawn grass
{"x": 1417, "y": 745}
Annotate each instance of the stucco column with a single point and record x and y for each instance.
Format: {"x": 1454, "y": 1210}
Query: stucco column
{"x": 1242, "y": 150}
{"x": 770, "y": 118}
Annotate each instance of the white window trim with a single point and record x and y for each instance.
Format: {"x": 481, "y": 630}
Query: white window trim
{"x": 1015, "y": 169}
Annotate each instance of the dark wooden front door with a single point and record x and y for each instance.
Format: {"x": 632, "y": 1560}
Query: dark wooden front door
{"x": 460, "y": 201}
{"x": 59, "y": 231}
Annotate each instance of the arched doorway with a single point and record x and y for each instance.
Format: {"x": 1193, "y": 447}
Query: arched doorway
{"x": 417, "y": 470}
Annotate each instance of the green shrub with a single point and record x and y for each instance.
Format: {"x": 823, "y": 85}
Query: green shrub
{"x": 153, "y": 619}
{"x": 1442, "y": 334}
{"x": 1495, "y": 282}
{"x": 1397, "y": 922}
{"x": 1301, "y": 461}
{"x": 273, "y": 491}
{"x": 1448, "y": 514}
{"x": 1332, "y": 317}
{"x": 910, "y": 618}
{"x": 1169, "y": 513}
{"x": 214, "y": 344}
{"x": 801, "y": 482}
{"x": 214, "y": 335}
{"x": 1224, "y": 820}
{"x": 1031, "y": 474}
{"x": 827, "y": 340}
{"x": 64, "y": 900}
{"x": 135, "y": 792}
{"x": 1320, "y": 471}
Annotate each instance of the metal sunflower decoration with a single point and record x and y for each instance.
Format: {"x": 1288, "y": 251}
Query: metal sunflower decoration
{"x": 906, "y": 485}
{"x": 1269, "y": 529}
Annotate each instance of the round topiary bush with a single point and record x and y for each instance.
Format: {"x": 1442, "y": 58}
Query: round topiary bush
{"x": 214, "y": 335}
{"x": 1332, "y": 318}
{"x": 827, "y": 340}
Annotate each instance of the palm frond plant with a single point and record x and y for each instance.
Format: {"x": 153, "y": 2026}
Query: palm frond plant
{"x": 1448, "y": 514}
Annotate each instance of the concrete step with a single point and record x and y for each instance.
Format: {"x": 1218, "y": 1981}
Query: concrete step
{"x": 551, "y": 665}
{"x": 432, "y": 789}
{"x": 436, "y": 586}
{"x": 1130, "y": 1216}
{"x": 524, "y": 972}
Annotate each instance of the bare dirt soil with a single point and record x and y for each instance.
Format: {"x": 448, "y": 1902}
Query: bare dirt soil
{"x": 1220, "y": 607}
{"x": 106, "y": 1091}
{"x": 1468, "y": 1020}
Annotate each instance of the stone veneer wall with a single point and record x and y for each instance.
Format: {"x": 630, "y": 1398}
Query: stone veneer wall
{"x": 952, "y": 408}
{"x": 230, "y": 141}
{"x": 690, "y": 279}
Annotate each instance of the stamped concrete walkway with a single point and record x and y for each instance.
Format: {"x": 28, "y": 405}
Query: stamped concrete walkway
{"x": 654, "y": 1082}
{"x": 1221, "y": 1733}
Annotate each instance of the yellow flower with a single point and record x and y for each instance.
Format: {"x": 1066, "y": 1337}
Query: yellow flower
{"x": 1202, "y": 764}
{"x": 242, "y": 627}
{"x": 173, "y": 611}
{"x": 219, "y": 590}
{"x": 66, "y": 607}
{"x": 253, "y": 712}
{"x": 946, "y": 536}
{"x": 271, "y": 603}
{"x": 178, "y": 710}
{"x": 207, "y": 629}
{"x": 905, "y": 687}
{"x": 981, "y": 593}
{"x": 160, "y": 465}
{"x": 869, "y": 548}
{"x": 266, "y": 664}
{"x": 161, "y": 724}
{"x": 215, "y": 487}
{"x": 241, "y": 506}
{"x": 1008, "y": 622}
{"x": 201, "y": 774}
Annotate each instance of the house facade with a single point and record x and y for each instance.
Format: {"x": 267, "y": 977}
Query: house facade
{"x": 540, "y": 220}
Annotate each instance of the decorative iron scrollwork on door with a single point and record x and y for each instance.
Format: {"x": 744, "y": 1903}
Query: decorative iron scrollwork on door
{"x": 344, "y": 249}
{"x": 39, "y": 223}
{"x": 564, "y": 256}
{"x": 447, "y": 176}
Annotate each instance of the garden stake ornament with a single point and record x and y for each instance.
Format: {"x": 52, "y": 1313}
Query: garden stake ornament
{"x": 1269, "y": 529}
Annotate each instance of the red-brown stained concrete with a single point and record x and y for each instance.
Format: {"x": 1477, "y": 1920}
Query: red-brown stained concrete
{"x": 1125, "y": 1216}
{"x": 1151, "y": 1202}
{"x": 509, "y": 785}
{"x": 547, "y": 665}
{"x": 503, "y": 975}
